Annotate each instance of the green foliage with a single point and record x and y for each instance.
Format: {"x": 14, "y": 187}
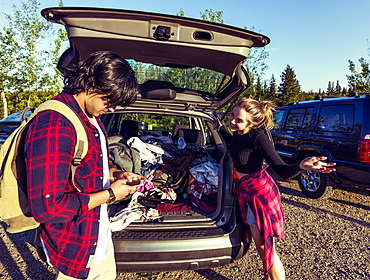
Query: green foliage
{"x": 33, "y": 78}
{"x": 256, "y": 67}
{"x": 335, "y": 90}
{"x": 9, "y": 51}
{"x": 256, "y": 61}
{"x": 271, "y": 95}
{"x": 30, "y": 30}
{"x": 213, "y": 16}
{"x": 359, "y": 80}
{"x": 289, "y": 88}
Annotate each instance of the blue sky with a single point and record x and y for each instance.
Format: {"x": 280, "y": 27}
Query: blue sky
{"x": 316, "y": 37}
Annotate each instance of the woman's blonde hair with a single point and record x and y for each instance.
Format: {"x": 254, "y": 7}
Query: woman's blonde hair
{"x": 260, "y": 111}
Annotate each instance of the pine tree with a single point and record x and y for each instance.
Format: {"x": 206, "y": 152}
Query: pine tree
{"x": 29, "y": 81}
{"x": 9, "y": 50}
{"x": 329, "y": 89}
{"x": 258, "y": 93}
{"x": 265, "y": 90}
{"x": 359, "y": 80}
{"x": 289, "y": 89}
{"x": 338, "y": 89}
{"x": 271, "y": 95}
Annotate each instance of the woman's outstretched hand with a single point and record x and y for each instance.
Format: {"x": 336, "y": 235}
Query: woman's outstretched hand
{"x": 317, "y": 164}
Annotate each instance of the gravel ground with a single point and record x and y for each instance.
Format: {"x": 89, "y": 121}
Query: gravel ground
{"x": 325, "y": 239}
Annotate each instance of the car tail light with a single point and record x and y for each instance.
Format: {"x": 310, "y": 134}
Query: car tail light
{"x": 364, "y": 149}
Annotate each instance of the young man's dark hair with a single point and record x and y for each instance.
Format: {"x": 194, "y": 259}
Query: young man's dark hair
{"x": 106, "y": 73}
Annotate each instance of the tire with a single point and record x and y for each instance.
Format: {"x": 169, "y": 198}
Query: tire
{"x": 315, "y": 184}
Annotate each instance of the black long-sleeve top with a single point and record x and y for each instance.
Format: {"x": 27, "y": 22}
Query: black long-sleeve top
{"x": 249, "y": 150}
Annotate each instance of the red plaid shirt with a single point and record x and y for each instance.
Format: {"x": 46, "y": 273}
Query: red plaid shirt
{"x": 260, "y": 192}
{"x": 68, "y": 229}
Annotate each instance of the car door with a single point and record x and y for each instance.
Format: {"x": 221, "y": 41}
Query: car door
{"x": 295, "y": 130}
{"x": 335, "y": 130}
{"x": 338, "y": 131}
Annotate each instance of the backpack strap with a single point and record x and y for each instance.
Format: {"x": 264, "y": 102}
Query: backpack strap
{"x": 82, "y": 141}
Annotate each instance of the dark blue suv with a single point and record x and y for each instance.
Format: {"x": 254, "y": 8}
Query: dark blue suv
{"x": 334, "y": 127}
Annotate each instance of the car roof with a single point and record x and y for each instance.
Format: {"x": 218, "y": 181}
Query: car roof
{"x": 159, "y": 39}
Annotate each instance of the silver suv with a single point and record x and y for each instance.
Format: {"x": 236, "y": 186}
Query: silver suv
{"x": 187, "y": 69}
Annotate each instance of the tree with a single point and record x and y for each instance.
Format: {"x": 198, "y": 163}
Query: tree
{"x": 256, "y": 61}
{"x": 258, "y": 89}
{"x": 57, "y": 46}
{"x": 330, "y": 89}
{"x": 9, "y": 50}
{"x": 33, "y": 78}
{"x": 359, "y": 80}
{"x": 289, "y": 88}
{"x": 338, "y": 89}
{"x": 213, "y": 16}
{"x": 271, "y": 95}
{"x": 31, "y": 64}
{"x": 256, "y": 66}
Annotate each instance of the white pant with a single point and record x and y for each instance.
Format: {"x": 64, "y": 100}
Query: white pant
{"x": 105, "y": 270}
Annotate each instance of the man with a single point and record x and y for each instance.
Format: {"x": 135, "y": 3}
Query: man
{"x": 74, "y": 227}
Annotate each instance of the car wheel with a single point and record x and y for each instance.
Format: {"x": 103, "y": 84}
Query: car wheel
{"x": 315, "y": 184}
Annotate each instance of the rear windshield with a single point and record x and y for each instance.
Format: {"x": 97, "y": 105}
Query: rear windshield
{"x": 190, "y": 78}
{"x": 157, "y": 125}
{"x": 153, "y": 124}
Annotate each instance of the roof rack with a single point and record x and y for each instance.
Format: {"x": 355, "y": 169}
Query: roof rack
{"x": 320, "y": 98}
{"x": 350, "y": 94}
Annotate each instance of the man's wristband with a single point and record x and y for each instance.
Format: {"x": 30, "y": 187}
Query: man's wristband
{"x": 112, "y": 196}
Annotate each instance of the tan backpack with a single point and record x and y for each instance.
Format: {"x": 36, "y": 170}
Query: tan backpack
{"x": 14, "y": 206}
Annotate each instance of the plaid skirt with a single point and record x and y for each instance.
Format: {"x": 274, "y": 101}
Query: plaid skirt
{"x": 259, "y": 192}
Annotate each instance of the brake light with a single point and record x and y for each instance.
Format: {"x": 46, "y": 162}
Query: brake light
{"x": 364, "y": 149}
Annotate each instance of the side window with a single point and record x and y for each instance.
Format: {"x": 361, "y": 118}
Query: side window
{"x": 306, "y": 124}
{"x": 277, "y": 118}
{"x": 299, "y": 118}
{"x": 336, "y": 118}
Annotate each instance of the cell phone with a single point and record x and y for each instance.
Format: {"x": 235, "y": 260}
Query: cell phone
{"x": 139, "y": 184}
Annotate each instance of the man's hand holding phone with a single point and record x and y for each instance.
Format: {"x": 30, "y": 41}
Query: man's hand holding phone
{"x": 126, "y": 183}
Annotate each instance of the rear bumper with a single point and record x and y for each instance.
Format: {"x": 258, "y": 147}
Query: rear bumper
{"x": 352, "y": 173}
{"x": 347, "y": 172}
{"x": 137, "y": 255}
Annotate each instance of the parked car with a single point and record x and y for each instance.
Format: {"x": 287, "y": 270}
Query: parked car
{"x": 187, "y": 69}
{"x": 11, "y": 123}
{"x": 337, "y": 128}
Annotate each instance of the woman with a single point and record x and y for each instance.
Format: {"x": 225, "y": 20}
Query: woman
{"x": 258, "y": 194}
